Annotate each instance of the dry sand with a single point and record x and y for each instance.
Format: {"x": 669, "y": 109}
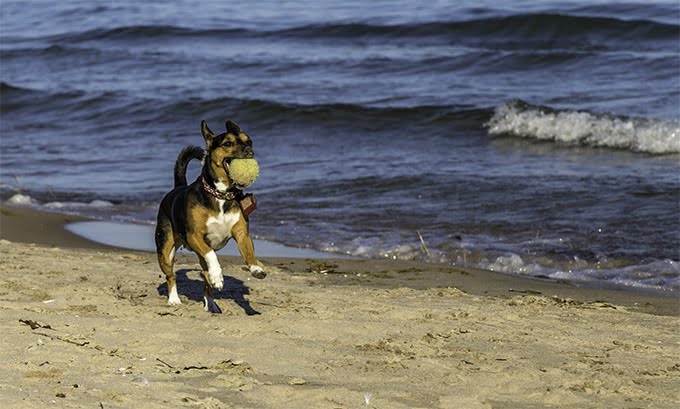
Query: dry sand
{"x": 90, "y": 328}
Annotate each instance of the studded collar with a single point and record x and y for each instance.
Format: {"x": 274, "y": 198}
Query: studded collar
{"x": 228, "y": 195}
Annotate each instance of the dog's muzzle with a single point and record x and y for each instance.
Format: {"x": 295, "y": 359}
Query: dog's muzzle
{"x": 247, "y": 154}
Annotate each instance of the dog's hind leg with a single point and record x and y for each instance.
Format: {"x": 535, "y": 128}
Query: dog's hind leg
{"x": 208, "y": 301}
{"x": 165, "y": 250}
{"x": 173, "y": 297}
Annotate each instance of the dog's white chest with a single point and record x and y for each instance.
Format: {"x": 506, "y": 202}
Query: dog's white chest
{"x": 219, "y": 228}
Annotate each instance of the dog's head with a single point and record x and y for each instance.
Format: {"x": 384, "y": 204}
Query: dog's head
{"x": 222, "y": 148}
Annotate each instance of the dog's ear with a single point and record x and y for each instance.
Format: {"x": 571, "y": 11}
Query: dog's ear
{"x": 232, "y": 128}
{"x": 208, "y": 135}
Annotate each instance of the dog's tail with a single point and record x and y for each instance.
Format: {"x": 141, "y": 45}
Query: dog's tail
{"x": 183, "y": 159}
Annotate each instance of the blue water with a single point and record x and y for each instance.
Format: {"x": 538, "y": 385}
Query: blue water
{"x": 533, "y": 137}
{"x": 141, "y": 237}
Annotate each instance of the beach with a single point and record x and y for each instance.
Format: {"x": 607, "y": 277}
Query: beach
{"x": 85, "y": 325}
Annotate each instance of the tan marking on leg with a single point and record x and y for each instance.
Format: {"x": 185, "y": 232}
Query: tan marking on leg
{"x": 196, "y": 240}
{"x": 166, "y": 260}
{"x": 246, "y": 248}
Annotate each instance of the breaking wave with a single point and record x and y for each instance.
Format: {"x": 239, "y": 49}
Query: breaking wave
{"x": 517, "y": 118}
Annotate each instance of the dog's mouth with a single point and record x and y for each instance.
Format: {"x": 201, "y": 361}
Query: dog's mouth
{"x": 225, "y": 164}
{"x": 227, "y": 161}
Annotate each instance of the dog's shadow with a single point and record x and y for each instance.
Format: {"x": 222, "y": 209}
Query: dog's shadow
{"x": 234, "y": 289}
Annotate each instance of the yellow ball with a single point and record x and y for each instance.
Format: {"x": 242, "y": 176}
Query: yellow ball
{"x": 244, "y": 171}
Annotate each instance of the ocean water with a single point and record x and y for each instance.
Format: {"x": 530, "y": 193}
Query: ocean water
{"x": 528, "y": 137}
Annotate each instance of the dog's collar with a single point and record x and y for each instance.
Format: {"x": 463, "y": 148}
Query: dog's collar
{"x": 228, "y": 195}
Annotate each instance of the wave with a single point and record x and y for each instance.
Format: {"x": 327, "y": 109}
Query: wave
{"x": 147, "y": 31}
{"x": 536, "y": 29}
{"x": 52, "y": 51}
{"x": 113, "y": 105}
{"x": 16, "y": 99}
{"x": 518, "y": 118}
{"x": 661, "y": 275}
{"x": 370, "y": 118}
{"x": 656, "y": 11}
{"x": 524, "y": 25}
{"x": 136, "y": 32}
{"x": 46, "y": 103}
{"x": 9, "y": 88}
{"x": 515, "y": 118}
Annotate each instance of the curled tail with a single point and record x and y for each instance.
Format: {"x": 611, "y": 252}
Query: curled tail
{"x": 183, "y": 159}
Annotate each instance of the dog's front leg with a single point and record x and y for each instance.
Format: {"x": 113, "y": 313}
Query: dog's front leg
{"x": 246, "y": 248}
{"x": 209, "y": 304}
{"x": 208, "y": 258}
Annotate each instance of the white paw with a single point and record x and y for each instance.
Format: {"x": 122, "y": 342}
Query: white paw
{"x": 256, "y": 269}
{"x": 174, "y": 302}
{"x": 216, "y": 278}
{"x": 210, "y": 306}
{"x": 257, "y": 272}
{"x": 173, "y": 298}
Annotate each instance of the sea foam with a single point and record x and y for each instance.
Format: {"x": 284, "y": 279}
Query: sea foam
{"x": 20, "y": 199}
{"x": 518, "y": 118}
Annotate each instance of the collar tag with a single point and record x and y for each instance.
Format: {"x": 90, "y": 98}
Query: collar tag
{"x": 248, "y": 204}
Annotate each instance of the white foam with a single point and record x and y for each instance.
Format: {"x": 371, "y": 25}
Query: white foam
{"x": 575, "y": 127}
{"x": 512, "y": 264}
{"x": 20, "y": 200}
{"x": 74, "y": 205}
{"x": 657, "y": 275}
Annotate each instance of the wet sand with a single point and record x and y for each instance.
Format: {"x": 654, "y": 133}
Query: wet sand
{"x": 86, "y": 325}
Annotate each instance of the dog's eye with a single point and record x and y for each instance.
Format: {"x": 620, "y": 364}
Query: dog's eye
{"x": 228, "y": 144}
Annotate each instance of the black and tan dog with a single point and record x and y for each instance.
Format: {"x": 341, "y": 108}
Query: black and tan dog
{"x": 204, "y": 215}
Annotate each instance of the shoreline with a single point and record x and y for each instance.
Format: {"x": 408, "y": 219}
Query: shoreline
{"x": 26, "y": 225}
{"x": 90, "y": 327}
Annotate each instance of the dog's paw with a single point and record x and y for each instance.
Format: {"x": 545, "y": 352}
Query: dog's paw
{"x": 173, "y": 298}
{"x": 257, "y": 272}
{"x": 174, "y": 301}
{"x": 216, "y": 279}
{"x": 214, "y": 276}
{"x": 209, "y": 305}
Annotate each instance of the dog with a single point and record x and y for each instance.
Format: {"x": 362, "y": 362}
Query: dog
{"x": 204, "y": 215}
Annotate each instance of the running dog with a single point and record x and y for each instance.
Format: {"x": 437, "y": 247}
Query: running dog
{"x": 204, "y": 215}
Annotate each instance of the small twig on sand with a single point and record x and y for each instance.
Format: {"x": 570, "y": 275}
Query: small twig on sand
{"x": 423, "y": 246}
{"x": 165, "y": 363}
{"x": 35, "y": 324}
{"x": 64, "y": 339}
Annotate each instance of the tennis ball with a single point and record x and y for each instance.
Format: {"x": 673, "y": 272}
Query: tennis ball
{"x": 243, "y": 171}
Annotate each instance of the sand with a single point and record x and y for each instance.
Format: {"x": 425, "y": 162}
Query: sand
{"x": 86, "y": 326}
